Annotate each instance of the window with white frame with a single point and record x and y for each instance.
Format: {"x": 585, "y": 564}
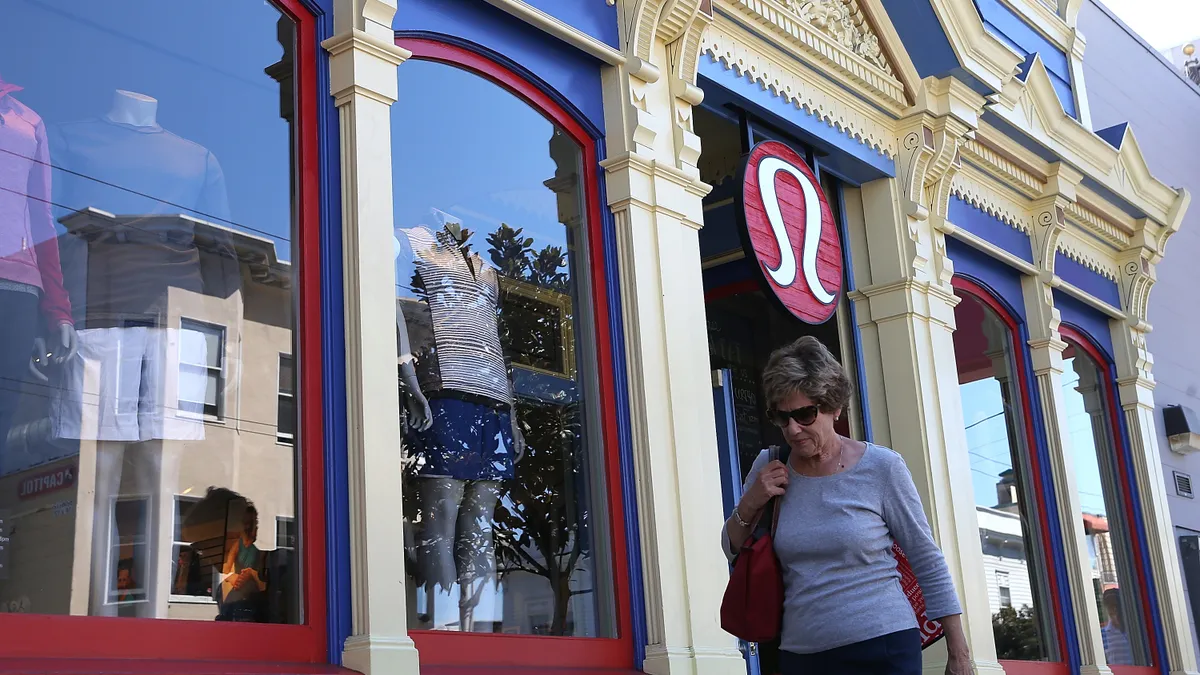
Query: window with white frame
{"x": 285, "y": 425}
{"x": 1004, "y": 588}
{"x": 201, "y": 368}
{"x": 128, "y": 549}
{"x": 187, "y": 564}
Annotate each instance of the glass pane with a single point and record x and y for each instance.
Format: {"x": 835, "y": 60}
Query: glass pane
{"x": 1005, "y": 504}
{"x": 287, "y": 375}
{"x": 147, "y": 212}
{"x": 200, "y": 344}
{"x": 504, "y": 463}
{"x": 287, "y": 417}
{"x": 1109, "y": 550}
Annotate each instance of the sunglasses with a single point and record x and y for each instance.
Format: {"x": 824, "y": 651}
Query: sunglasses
{"x": 803, "y": 416}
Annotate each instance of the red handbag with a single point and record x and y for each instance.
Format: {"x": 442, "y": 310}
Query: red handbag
{"x": 752, "y": 608}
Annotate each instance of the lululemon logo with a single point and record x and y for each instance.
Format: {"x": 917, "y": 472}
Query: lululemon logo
{"x": 791, "y": 232}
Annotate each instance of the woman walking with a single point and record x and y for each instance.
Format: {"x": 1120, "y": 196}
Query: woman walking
{"x": 843, "y": 503}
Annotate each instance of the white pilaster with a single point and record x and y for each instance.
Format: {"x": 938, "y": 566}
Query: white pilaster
{"x": 1136, "y": 386}
{"x": 363, "y": 61}
{"x": 905, "y": 305}
{"x": 655, "y": 194}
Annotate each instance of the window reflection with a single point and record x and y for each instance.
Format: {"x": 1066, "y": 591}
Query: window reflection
{"x": 503, "y": 463}
{"x": 147, "y": 210}
{"x": 1005, "y": 505}
{"x": 1110, "y": 554}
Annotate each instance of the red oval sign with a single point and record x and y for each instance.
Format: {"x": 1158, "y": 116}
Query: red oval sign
{"x": 791, "y": 231}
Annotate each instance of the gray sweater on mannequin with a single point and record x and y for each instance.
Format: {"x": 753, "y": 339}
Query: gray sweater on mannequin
{"x": 834, "y": 543}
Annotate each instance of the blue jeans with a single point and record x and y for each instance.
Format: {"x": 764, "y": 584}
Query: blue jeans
{"x": 893, "y": 654}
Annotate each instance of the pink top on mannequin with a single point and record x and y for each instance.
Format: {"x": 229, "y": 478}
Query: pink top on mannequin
{"x": 28, "y": 239}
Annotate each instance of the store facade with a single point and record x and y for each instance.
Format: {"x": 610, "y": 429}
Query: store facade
{"x": 534, "y": 209}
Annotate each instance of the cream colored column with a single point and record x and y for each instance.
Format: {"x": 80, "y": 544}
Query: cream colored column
{"x": 655, "y": 192}
{"x": 363, "y": 60}
{"x": 905, "y": 309}
{"x": 1136, "y": 386}
{"x": 1046, "y": 349}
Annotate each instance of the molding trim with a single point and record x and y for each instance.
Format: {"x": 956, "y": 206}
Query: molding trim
{"x": 1034, "y": 107}
{"x": 975, "y": 187}
{"x": 809, "y": 91}
{"x": 831, "y": 35}
{"x": 560, "y": 29}
{"x": 1012, "y": 173}
{"x": 1096, "y": 224}
{"x": 979, "y": 52}
{"x": 1077, "y": 248}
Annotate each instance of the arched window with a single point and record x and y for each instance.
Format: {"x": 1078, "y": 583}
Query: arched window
{"x": 1004, "y": 466}
{"x": 1097, "y": 446}
{"x": 160, "y": 414}
{"x": 513, "y": 518}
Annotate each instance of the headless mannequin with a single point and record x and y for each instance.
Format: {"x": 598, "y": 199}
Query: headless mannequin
{"x": 129, "y": 108}
{"x": 454, "y": 544}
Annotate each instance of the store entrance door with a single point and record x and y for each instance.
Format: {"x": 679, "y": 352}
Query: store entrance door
{"x": 731, "y": 471}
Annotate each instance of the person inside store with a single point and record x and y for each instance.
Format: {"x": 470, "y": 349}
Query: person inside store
{"x": 243, "y": 590}
{"x": 1117, "y": 650}
{"x": 842, "y": 505}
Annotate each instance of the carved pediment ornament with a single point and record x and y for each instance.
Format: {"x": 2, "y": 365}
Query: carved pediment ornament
{"x": 845, "y": 22}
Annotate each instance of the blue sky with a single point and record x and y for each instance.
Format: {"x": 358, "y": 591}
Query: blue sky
{"x": 204, "y": 63}
{"x": 987, "y": 441}
{"x": 484, "y": 169}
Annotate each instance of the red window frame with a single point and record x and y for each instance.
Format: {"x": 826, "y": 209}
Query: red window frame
{"x": 963, "y": 285}
{"x": 35, "y": 643}
{"x": 1081, "y": 341}
{"x": 444, "y": 652}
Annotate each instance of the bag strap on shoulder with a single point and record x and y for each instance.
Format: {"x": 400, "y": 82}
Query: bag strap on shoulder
{"x": 768, "y": 520}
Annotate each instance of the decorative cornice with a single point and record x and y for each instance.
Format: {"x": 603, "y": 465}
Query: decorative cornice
{"x": 1034, "y": 107}
{"x": 973, "y": 186}
{"x": 738, "y": 51}
{"x": 1011, "y": 172}
{"x": 1096, "y": 224}
{"x": 830, "y": 35}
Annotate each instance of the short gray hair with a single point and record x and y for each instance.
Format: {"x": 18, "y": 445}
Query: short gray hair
{"x": 807, "y": 367}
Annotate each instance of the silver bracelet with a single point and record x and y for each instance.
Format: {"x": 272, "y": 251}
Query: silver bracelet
{"x": 737, "y": 517}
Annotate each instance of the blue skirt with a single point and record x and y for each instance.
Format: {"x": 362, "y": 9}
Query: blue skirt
{"x": 893, "y": 654}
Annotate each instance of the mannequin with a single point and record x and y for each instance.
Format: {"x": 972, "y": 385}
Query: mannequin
{"x": 471, "y": 445}
{"x": 145, "y": 189}
{"x": 38, "y": 326}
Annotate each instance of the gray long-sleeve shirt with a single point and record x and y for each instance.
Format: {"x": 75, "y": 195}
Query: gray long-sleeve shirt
{"x": 834, "y": 543}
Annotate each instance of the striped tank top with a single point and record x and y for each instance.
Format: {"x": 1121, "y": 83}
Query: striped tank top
{"x": 453, "y": 326}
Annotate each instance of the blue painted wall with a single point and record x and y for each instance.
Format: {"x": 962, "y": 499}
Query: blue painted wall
{"x": 848, "y": 158}
{"x": 1012, "y": 30}
{"x": 1085, "y": 319}
{"x": 990, "y": 228}
{"x": 1086, "y": 280}
{"x": 549, "y": 59}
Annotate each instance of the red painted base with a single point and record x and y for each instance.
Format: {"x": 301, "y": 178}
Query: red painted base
{"x": 161, "y": 666}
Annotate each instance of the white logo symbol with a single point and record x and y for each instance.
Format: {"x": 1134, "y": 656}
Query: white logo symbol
{"x": 785, "y": 274}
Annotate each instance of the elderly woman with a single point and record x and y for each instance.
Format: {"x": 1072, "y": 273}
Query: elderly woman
{"x": 843, "y": 503}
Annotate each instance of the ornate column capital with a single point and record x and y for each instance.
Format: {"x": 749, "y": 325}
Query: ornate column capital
{"x": 679, "y": 26}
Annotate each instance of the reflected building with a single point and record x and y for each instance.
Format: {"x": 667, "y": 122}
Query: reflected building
{"x": 183, "y": 383}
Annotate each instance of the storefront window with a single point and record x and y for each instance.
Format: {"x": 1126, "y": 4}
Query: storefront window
{"x": 1006, "y": 505}
{"x": 1087, "y": 405}
{"x": 504, "y": 465}
{"x": 148, "y": 209}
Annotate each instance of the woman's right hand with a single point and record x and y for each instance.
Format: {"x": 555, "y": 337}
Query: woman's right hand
{"x": 771, "y": 481}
